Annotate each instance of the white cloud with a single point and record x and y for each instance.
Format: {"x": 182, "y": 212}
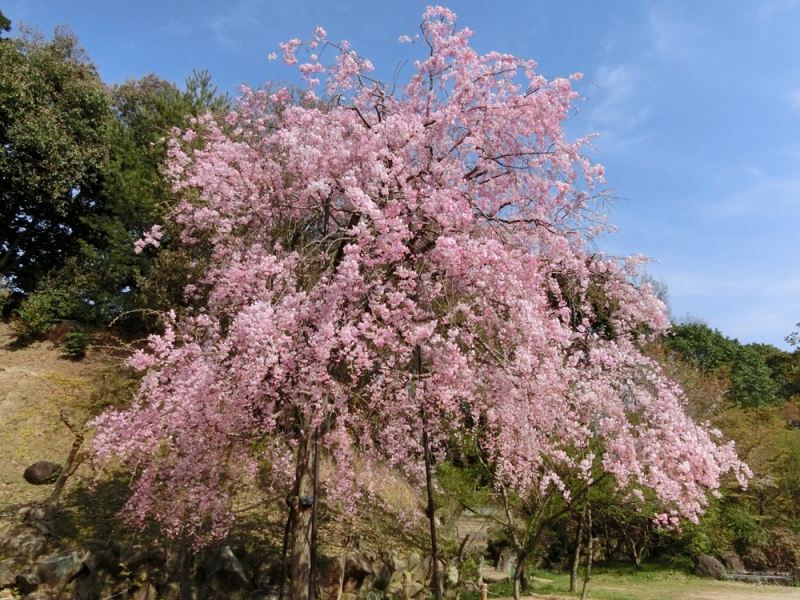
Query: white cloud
{"x": 673, "y": 38}
{"x": 757, "y": 194}
{"x": 246, "y": 15}
{"x": 617, "y": 108}
{"x": 793, "y": 98}
{"x": 772, "y": 9}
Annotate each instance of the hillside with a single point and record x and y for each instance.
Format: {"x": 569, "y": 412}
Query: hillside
{"x": 36, "y": 383}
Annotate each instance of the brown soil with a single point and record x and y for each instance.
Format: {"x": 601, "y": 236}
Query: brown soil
{"x": 36, "y": 382}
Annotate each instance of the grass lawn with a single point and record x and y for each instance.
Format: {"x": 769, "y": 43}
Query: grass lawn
{"x": 653, "y": 582}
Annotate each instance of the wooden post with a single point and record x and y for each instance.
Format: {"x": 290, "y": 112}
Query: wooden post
{"x": 589, "y": 554}
{"x": 312, "y": 573}
{"x": 426, "y": 449}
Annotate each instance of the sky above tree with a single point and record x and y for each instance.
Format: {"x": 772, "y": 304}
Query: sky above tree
{"x": 697, "y": 104}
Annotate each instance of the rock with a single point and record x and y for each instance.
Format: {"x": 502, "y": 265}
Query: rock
{"x": 91, "y": 586}
{"x": 9, "y": 569}
{"x": 225, "y": 560}
{"x": 109, "y": 560}
{"x": 708, "y": 566}
{"x": 132, "y": 557}
{"x": 452, "y": 575}
{"x": 383, "y": 575}
{"x": 27, "y": 581}
{"x": 59, "y": 569}
{"x": 145, "y": 592}
{"x": 395, "y": 563}
{"x": 422, "y": 571}
{"x": 413, "y": 561}
{"x": 349, "y": 585}
{"x": 157, "y": 556}
{"x": 42, "y": 472}
{"x": 405, "y": 587}
{"x": 223, "y": 571}
{"x": 507, "y": 562}
{"x": 367, "y": 585}
{"x": 358, "y": 565}
{"x": 493, "y": 575}
{"x": 24, "y": 541}
{"x": 91, "y": 562}
{"x": 171, "y": 591}
{"x": 733, "y": 563}
{"x": 44, "y": 593}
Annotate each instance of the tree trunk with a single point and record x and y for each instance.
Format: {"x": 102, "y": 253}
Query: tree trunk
{"x": 589, "y": 555}
{"x": 576, "y": 556}
{"x": 519, "y": 576}
{"x": 300, "y": 561}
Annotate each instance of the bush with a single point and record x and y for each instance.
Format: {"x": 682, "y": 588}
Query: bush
{"x": 75, "y": 343}
{"x": 34, "y": 317}
{"x": 778, "y": 550}
{"x": 57, "y": 297}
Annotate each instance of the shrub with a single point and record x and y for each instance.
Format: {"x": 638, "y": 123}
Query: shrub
{"x": 75, "y": 343}
{"x": 34, "y": 317}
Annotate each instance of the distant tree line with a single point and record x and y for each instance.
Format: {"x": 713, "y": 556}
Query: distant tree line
{"x": 80, "y": 180}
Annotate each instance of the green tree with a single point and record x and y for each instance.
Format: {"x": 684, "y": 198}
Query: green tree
{"x": 55, "y": 117}
{"x": 131, "y": 192}
{"x": 5, "y": 23}
{"x": 746, "y": 366}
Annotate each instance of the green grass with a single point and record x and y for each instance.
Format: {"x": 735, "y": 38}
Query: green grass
{"x": 655, "y": 581}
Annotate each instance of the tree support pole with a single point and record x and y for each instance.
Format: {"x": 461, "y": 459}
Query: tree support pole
{"x": 589, "y": 554}
{"x": 426, "y": 449}
{"x": 312, "y": 574}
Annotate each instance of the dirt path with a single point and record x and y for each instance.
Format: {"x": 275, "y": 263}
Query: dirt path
{"x": 690, "y": 590}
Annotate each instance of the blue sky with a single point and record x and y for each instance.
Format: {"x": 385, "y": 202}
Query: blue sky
{"x": 697, "y": 104}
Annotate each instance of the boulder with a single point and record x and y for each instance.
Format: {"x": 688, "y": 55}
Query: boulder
{"x": 27, "y": 581}
{"x": 494, "y": 576}
{"x": 44, "y": 593}
{"x": 383, "y": 575}
{"x": 733, "y": 563}
{"x": 42, "y": 472}
{"x": 452, "y": 575}
{"x": 223, "y": 571}
{"x": 9, "y": 569}
{"x": 109, "y": 560}
{"x": 92, "y": 586}
{"x": 24, "y": 541}
{"x": 404, "y": 587}
{"x": 358, "y": 565}
{"x": 146, "y": 592}
{"x": 507, "y": 561}
{"x": 708, "y": 566}
{"x": 132, "y": 557}
{"x": 59, "y": 569}
{"x": 171, "y": 591}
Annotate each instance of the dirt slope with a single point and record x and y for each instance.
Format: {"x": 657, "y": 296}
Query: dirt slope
{"x": 36, "y": 382}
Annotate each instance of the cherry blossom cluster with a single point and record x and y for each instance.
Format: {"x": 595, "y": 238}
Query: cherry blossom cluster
{"x": 346, "y": 235}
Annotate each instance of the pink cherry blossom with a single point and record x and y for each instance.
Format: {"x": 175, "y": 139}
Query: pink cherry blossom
{"x": 452, "y": 215}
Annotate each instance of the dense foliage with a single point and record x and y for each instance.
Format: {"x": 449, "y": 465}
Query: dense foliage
{"x": 82, "y": 180}
{"x": 54, "y": 121}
